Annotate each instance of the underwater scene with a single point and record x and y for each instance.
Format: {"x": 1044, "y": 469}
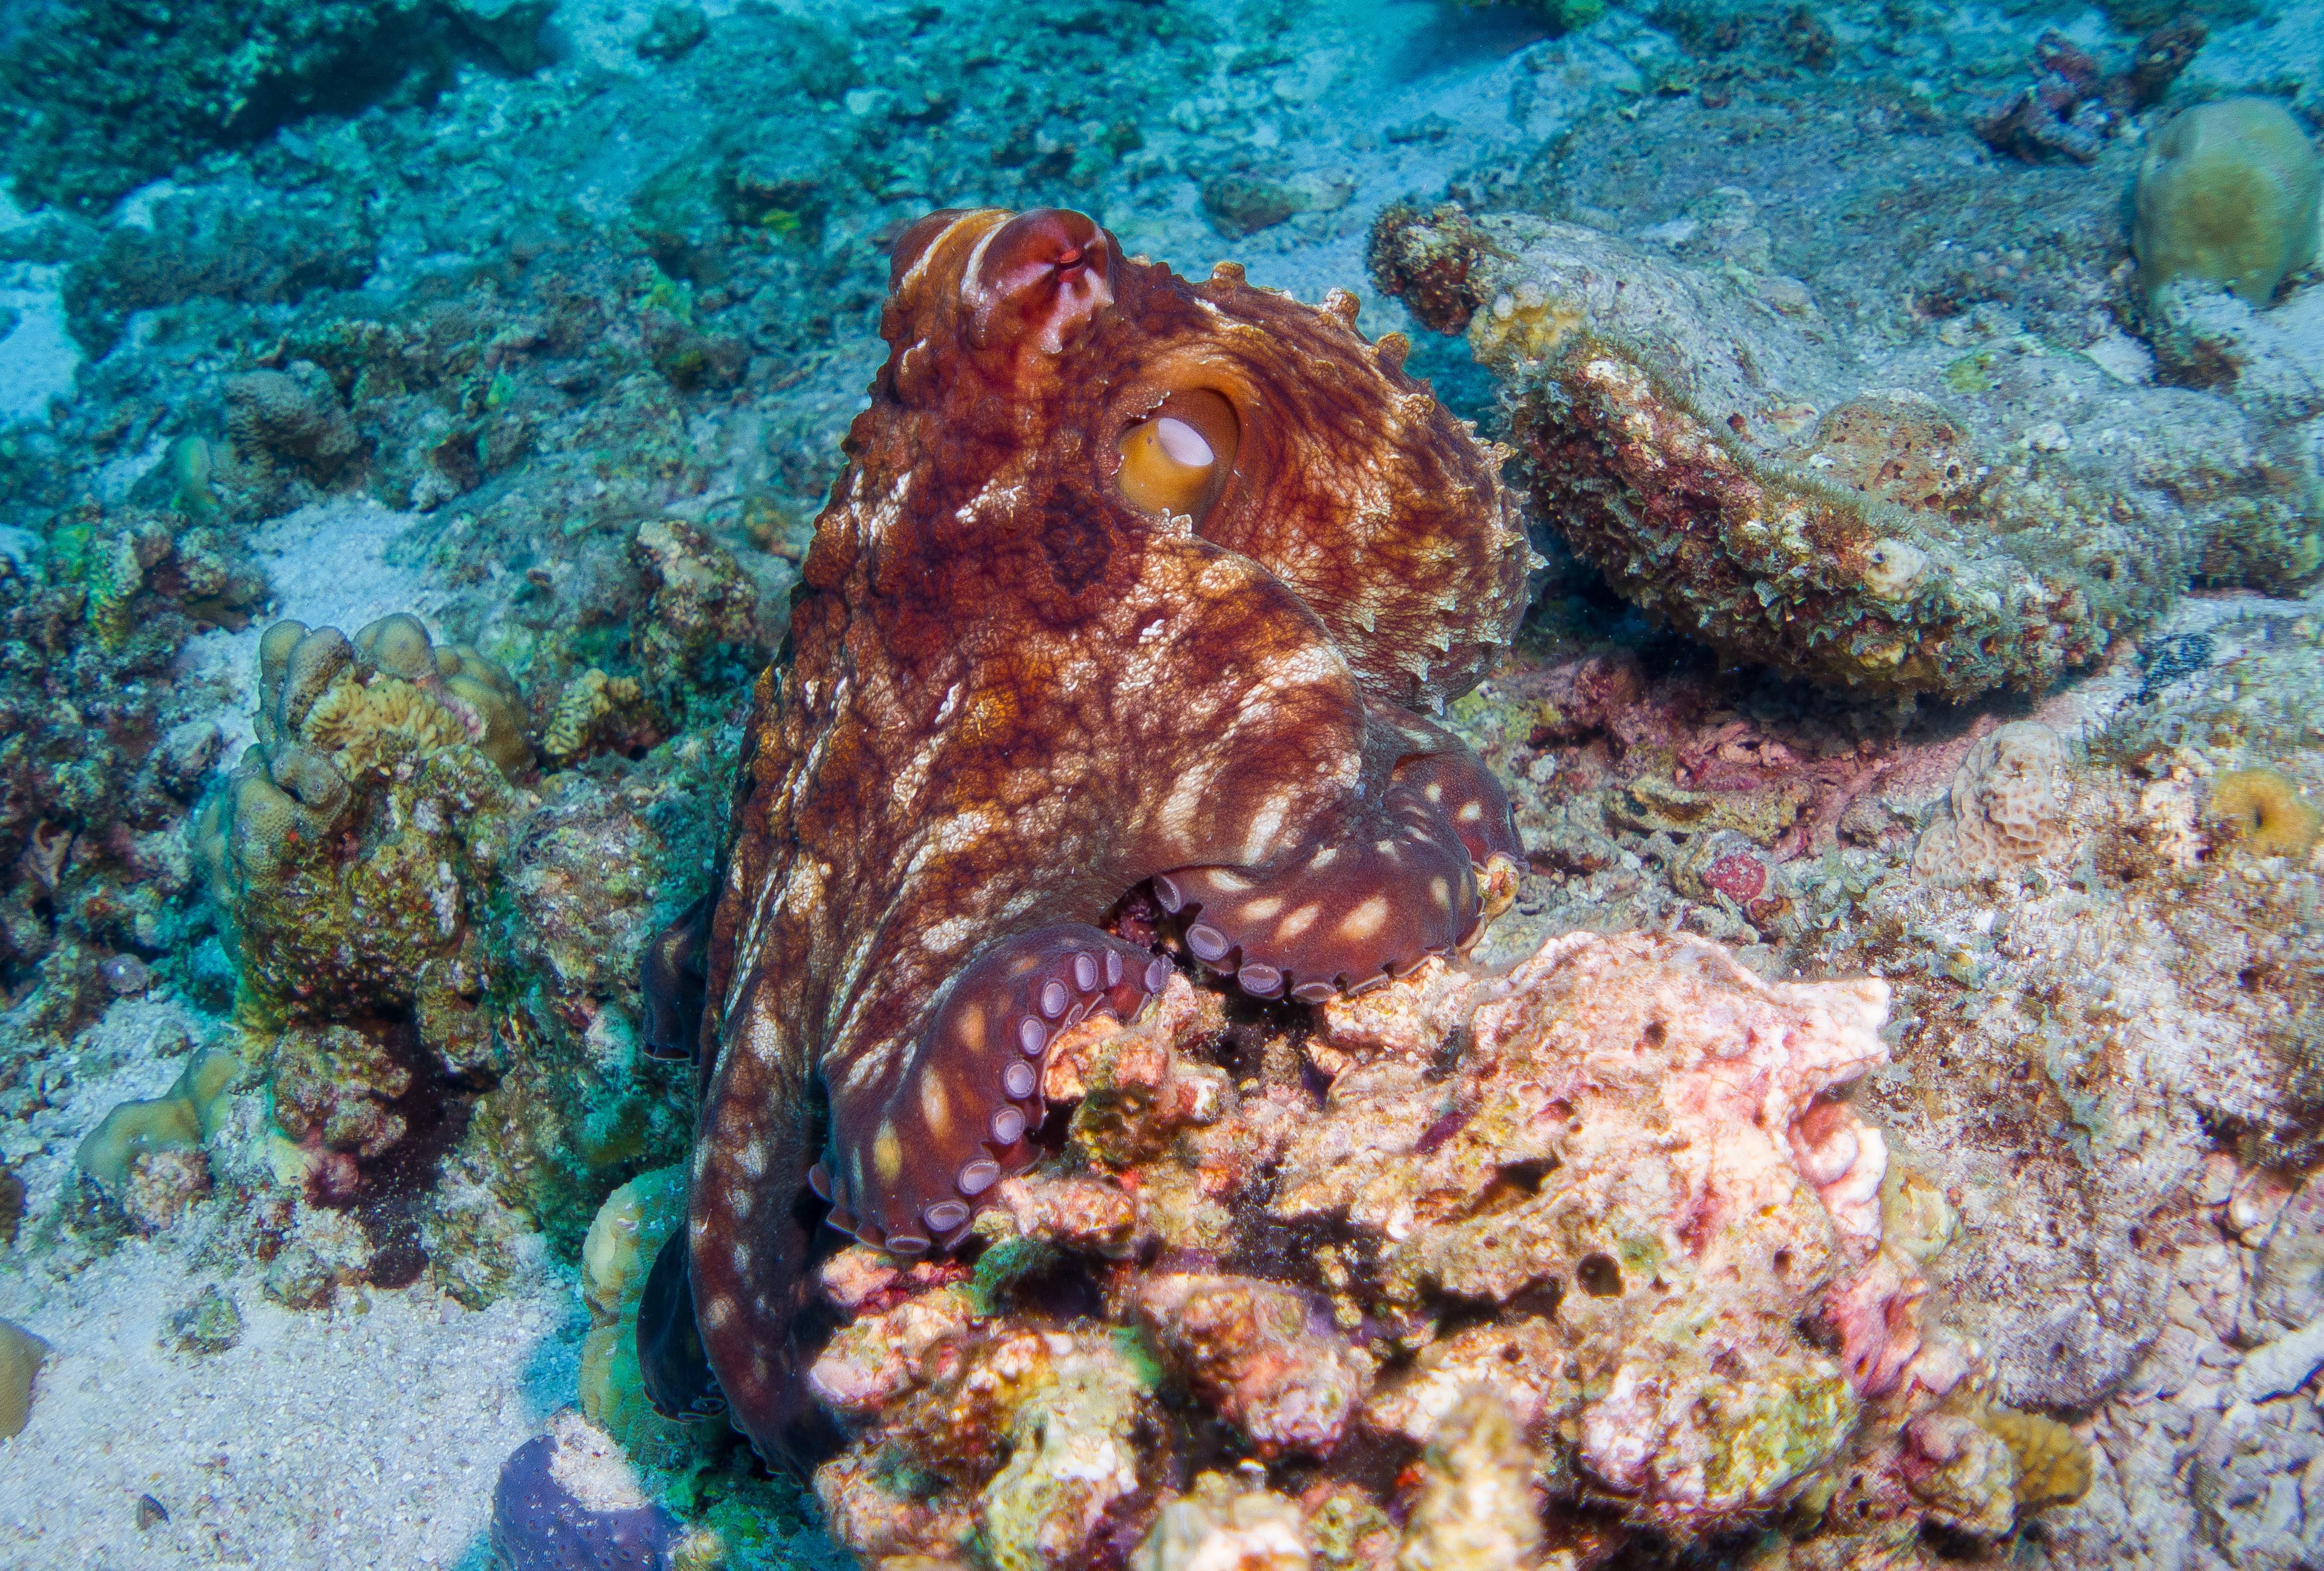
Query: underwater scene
{"x": 1161, "y": 785}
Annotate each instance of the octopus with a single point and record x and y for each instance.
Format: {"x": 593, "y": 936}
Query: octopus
{"x": 1117, "y": 646}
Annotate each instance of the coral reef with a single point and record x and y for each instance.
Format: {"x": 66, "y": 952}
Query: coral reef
{"x": 102, "y": 746}
{"x": 1628, "y": 1250}
{"x": 2228, "y": 195}
{"x": 97, "y": 99}
{"x": 1354, "y": 566}
{"x": 1845, "y": 514}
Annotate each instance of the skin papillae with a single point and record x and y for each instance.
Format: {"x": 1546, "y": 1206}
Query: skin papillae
{"x": 1132, "y": 585}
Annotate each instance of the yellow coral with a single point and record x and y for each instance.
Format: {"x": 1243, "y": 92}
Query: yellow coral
{"x": 364, "y": 725}
{"x": 180, "y": 1121}
{"x": 627, "y": 1231}
{"x": 2267, "y": 811}
{"x": 2054, "y": 1465}
{"x": 590, "y": 699}
{"x": 1526, "y": 322}
{"x": 21, "y": 1355}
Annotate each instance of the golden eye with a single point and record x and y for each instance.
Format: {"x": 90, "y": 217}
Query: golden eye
{"x": 1177, "y": 458}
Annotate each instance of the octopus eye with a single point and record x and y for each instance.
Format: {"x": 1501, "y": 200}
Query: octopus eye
{"x": 1176, "y": 460}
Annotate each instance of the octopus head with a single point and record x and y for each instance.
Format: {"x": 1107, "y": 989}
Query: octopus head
{"x": 1038, "y": 279}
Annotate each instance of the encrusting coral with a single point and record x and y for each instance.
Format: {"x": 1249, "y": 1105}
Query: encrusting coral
{"x": 1849, "y": 510}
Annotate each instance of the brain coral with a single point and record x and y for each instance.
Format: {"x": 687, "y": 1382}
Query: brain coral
{"x": 1850, "y": 511}
{"x": 2228, "y": 194}
{"x": 2006, "y": 807}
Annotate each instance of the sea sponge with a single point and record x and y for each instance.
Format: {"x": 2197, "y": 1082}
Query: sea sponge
{"x": 181, "y": 1119}
{"x": 569, "y": 1499}
{"x": 2227, "y": 193}
{"x": 2007, "y": 808}
{"x": 2267, "y": 811}
{"x": 21, "y": 1353}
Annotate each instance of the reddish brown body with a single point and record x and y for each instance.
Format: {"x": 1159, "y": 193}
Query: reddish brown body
{"x": 1021, "y": 688}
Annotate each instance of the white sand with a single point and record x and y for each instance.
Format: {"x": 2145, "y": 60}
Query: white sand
{"x": 274, "y": 1453}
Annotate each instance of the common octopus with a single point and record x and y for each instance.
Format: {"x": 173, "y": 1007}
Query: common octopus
{"x": 1116, "y": 639}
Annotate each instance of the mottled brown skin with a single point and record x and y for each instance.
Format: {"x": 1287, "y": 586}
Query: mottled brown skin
{"x": 1015, "y": 697}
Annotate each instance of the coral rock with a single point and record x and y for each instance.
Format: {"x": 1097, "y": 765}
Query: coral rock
{"x": 1217, "y": 1528}
{"x": 1476, "y": 1507}
{"x": 1845, "y": 510}
{"x": 1255, "y": 1353}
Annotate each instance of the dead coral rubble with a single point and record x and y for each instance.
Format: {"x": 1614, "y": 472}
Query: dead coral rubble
{"x": 1627, "y": 1254}
{"x": 2074, "y": 104}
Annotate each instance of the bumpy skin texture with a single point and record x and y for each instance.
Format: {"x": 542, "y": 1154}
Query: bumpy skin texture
{"x": 1016, "y": 698}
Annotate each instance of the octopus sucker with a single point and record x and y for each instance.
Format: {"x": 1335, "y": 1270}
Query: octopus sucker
{"x": 1153, "y": 583}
